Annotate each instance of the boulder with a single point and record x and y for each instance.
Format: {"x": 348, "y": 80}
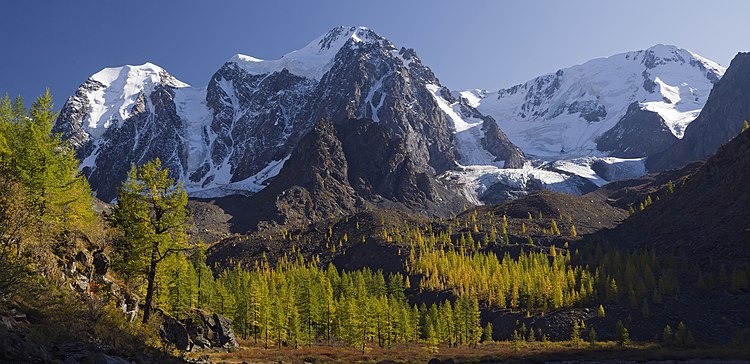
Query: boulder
{"x": 101, "y": 263}
{"x": 174, "y": 332}
{"x": 200, "y": 330}
{"x": 225, "y": 335}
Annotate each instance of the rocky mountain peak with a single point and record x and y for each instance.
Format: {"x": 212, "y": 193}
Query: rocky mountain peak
{"x": 317, "y": 57}
{"x": 338, "y": 36}
{"x": 662, "y": 54}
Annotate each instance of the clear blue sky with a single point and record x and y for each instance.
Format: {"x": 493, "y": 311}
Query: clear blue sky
{"x": 468, "y": 44}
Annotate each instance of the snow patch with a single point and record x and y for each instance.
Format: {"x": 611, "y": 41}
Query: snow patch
{"x": 191, "y": 107}
{"x": 468, "y": 133}
{"x": 248, "y": 186}
{"x": 559, "y": 176}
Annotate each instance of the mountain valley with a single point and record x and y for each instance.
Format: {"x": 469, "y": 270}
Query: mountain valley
{"x": 341, "y": 204}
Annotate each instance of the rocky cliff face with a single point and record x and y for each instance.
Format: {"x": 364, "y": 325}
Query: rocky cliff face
{"x": 639, "y": 133}
{"x": 312, "y": 185}
{"x": 339, "y": 169}
{"x": 720, "y": 120}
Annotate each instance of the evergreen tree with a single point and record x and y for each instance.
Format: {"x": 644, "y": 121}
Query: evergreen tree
{"x": 592, "y": 338}
{"x": 575, "y": 334}
{"x": 623, "y": 337}
{"x": 152, "y": 216}
{"x": 667, "y": 336}
{"x": 42, "y": 196}
{"x": 487, "y": 333}
{"x": 670, "y": 187}
{"x": 516, "y": 341}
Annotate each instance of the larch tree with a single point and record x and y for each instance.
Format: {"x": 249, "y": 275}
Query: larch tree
{"x": 151, "y": 213}
{"x": 43, "y": 199}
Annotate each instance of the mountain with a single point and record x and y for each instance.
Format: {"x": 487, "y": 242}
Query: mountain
{"x": 588, "y": 125}
{"x": 705, "y": 217}
{"x": 604, "y": 106}
{"x": 234, "y": 135}
{"x": 126, "y": 115}
{"x": 571, "y": 131}
{"x": 721, "y": 119}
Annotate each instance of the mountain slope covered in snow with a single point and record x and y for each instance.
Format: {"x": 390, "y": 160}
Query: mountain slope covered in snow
{"x": 566, "y": 113}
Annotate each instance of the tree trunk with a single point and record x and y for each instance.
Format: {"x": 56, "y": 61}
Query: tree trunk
{"x": 150, "y": 288}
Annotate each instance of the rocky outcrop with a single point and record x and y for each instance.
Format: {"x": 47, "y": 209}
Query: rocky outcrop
{"x": 312, "y": 185}
{"x": 498, "y": 144}
{"x": 18, "y": 345}
{"x": 383, "y": 171}
{"x": 338, "y": 169}
{"x": 199, "y": 330}
{"x": 640, "y": 133}
{"x": 720, "y": 120}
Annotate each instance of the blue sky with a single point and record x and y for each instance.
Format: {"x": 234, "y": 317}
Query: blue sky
{"x": 468, "y": 44}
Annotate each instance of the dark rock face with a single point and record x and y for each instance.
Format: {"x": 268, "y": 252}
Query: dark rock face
{"x": 312, "y": 185}
{"x": 339, "y": 169}
{"x": 639, "y": 133}
{"x": 538, "y": 92}
{"x": 254, "y": 119}
{"x": 382, "y": 170}
{"x": 374, "y": 80}
{"x": 498, "y": 144}
{"x": 589, "y": 110}
{"x": 101, "y": 263}
{"x": 720, "y": 120}
{"x": 198, "y": 331}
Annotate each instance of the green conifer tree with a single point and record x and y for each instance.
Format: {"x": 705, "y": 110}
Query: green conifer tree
{"x": 592, "y": 338}
{"x": 623, "y": 337}
{"x": 151, "y": 213}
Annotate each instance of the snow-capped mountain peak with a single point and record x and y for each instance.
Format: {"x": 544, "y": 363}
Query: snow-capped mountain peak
{"x": 112, "y": 92}
{"x": 660, "y": 54}
{"x": 316, "y": 58}
{"x": 563, "y": 114}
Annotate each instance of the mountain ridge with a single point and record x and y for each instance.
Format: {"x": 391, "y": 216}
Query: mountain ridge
{"x": 236, "y": 133}
{"x": 592, "y": 97}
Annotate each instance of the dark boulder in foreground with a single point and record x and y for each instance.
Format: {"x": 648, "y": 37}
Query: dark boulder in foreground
{"x": 200, "y": 330}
